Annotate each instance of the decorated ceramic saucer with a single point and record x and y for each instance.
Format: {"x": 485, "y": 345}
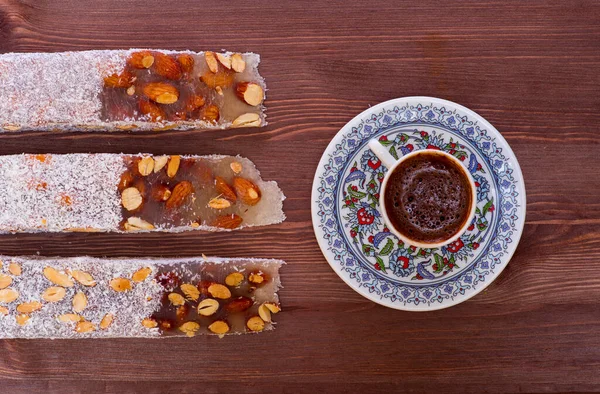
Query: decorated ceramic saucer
{"x": 350, "y": 229}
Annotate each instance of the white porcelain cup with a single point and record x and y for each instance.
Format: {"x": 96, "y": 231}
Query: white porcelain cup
{"x": 391, "y": 163}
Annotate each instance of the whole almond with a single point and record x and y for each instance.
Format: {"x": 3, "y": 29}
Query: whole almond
{"x": 219, "y": 291}
{"x": 161, "y": 92}
{"x": 247, "y": 191}
{"x": 180, "y": 193}
{"x": 186, "y": 62}
{"x": 155, "y": 113}
{"x": 237, "y": 63}
{"x": 224, "y": 189}
{"x": 5, "y": 281}
{"x": 141, "y": 274}
{"x": 58, "y": 278}
{"x": 173, "y": 166}
{"x": 131, "y": 199}
{"x": 85, "y": 326}
{"x": 219, "y": 327}
{"x": 146, "y": 166}
{"x": 79, "y": 302}
{"x": 239, "y": 304}
{"x": 120, "y": 284}
{"x": 190, "y": 291}
{"x": 14, "y": 269}
{"x": 54, "y": 294}
{"x": 211, "y": 61}
{"x": 141, "y": 60}
{"x": 228, "y": 222}
{"x": 223, "y": 78}
{"x": 122, "y": 80}
{"x": 106, "y": 321}
{"x": 83, "y": 277}
{"x": 210, "y": 113}
{"x": 29, "y": 307}
{"x": 208, "y": 307}
{"x": 166, "y": 66}
{"x": 251, "y": 93}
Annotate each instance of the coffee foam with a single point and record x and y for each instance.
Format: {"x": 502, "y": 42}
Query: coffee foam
{"x": 428, "y": 198}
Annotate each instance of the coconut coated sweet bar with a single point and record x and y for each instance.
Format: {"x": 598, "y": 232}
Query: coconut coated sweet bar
{"x": 127, "y": 297}
{"x": 126, "y": 193}
{"x": 134, "y": 89}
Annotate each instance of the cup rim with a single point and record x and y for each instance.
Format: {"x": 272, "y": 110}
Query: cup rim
{"x": 403, "y": 237}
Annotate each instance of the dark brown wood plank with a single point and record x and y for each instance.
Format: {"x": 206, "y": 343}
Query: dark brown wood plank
{"x": 531, "y": 68}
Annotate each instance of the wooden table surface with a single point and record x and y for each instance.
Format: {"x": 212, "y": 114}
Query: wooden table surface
{"x": 529, "y": 67}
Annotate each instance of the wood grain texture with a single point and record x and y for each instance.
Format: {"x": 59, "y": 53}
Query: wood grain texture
{"x": 530, "y": 68}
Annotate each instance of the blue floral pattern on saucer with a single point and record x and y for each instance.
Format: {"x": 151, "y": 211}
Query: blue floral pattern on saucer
{"x": 351, "y": 231}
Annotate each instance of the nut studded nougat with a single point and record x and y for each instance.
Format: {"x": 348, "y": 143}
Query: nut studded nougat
{"x": 130, "y": 90}
{"x": 111, "y": 298}
{"x": 116, "y": 192}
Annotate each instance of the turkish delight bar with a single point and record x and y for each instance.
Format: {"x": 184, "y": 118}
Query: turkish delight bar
{"x": 125, "y": 193}
{"x": 86, "y": 297}
{"x": 136, "y": 89}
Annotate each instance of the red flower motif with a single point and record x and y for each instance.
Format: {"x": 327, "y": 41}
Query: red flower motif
{"x": 404, "y": 260}
{"x": 377, "y": 267}
{"x": 445, "y": 260}
{"x": 492, "y": 208}
{"x": 372, "y": 186}
{"x": 435, "y": 267}
{"x": 462, "y": 158}
{"x": 433, "y": 147}
{"x": 413, "y": 248}
{"x": 355, "y": 188}
{"x": 424, "y": 133}
{"x": 419, "y": 277}
{"x": 450, "y": 265}
{"x": 374, "y": 164}
{"x": 367, "y": 249}
{"x": 402, "y": 138}
{"x": 477, "y": 184}
{"x": 471, "y": 227}
{"x": 353, "y": 169}
{"x": 376, "y": 195}
{"x": 422, "y": 253}
{"x": 453, "y": 145}
{"x": 410, "y": 147}
{"x": 364, "y": 217}
{"x": 353, "y": 233}
{"x": 385, "y": 229}
{"x": 452, "y": 151}
{"x": 475, "y": 245}
{"x": 354, "y": 199}
{"x": 456, "y": 246}
{"x": 371, "y": 239}
{"x": 383, "y": 138}
{"x": 348, "y": 202}
{"x": 479, "y": 166}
